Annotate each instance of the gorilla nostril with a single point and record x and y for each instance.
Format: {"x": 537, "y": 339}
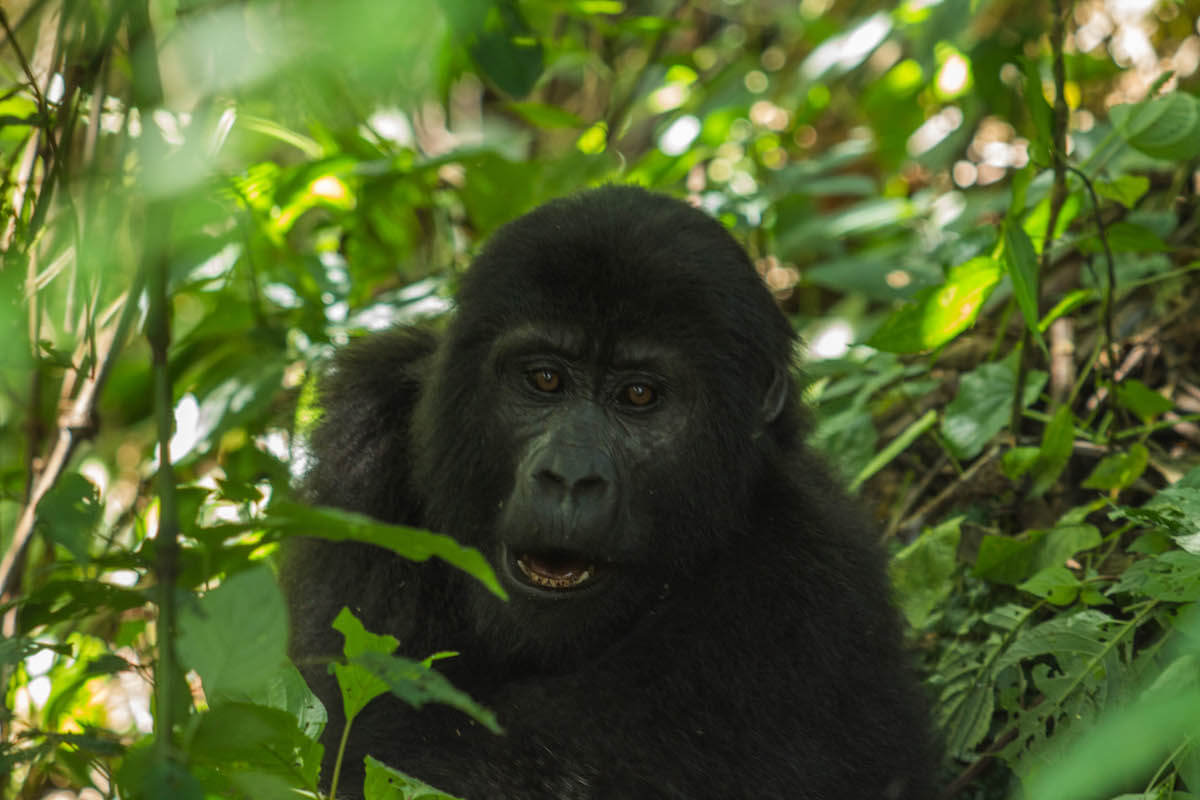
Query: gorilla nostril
{"x": 591, "y": 486}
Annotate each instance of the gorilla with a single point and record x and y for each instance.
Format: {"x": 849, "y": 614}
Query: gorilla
{"x": 695, "y": 609}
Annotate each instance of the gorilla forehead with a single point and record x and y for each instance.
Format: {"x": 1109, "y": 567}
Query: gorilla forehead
{"x": 621, "y": 263}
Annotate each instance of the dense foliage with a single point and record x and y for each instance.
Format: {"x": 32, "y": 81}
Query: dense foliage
{"x": 982, "y": 216}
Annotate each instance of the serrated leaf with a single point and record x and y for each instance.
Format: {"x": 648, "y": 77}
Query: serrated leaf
{"x": 234, "y": 651}
{"x": 388, "y": 783}
{"x": 983, "y": 406}
{"x": 939, "y": 313}
{"x": 921, "y": 571}
{"x": 359, "y": 685}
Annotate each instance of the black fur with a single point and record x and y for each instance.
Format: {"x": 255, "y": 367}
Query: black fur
{"x": 738, "y": 641}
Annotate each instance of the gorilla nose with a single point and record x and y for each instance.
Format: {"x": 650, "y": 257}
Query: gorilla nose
{"x": 574, "y": 489}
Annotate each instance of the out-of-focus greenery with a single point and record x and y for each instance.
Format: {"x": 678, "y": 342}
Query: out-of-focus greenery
{"x": 984, "y": 223}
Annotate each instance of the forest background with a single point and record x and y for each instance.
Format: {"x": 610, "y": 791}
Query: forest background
{"x": 981, "y": 215}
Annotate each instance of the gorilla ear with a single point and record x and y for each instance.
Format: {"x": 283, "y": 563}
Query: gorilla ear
{"x": 776, "y": 396}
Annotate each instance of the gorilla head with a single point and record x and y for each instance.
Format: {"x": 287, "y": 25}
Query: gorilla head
{"x": 603, "y": 404}
{"x": 695, "y": 610}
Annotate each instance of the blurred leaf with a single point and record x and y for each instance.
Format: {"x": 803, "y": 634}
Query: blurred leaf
{"x": 1142, "y": 400}
{"x": 1166, "y": 127}
{"x": 69, "y": 513}
{"x": 546, "y": 116}
{"x": 1058, "y": 443}
{"x": 1021, "y": 263}
{"x": 1124, "y": 189}
{"x": 500, "y": 42}
{"x": 1173, "y": 576}
{"x": 1125, "y": 237}
{"x": 939, "y": 313}
{"x": 1119, "y": 470}
{"x": 1056, "y": 584}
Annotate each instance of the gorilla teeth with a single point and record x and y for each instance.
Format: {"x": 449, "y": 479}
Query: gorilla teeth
{"x": 553, "y": 574}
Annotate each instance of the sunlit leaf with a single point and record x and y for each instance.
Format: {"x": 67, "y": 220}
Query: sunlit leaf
{"x": 940, "y": 313}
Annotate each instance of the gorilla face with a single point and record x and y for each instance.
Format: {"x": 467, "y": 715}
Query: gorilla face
{"x": 587, "y": 408}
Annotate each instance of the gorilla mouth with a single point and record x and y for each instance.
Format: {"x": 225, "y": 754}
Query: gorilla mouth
{"x": 558, "y": 571}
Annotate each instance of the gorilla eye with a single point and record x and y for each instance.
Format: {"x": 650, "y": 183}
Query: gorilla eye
{"x": 639, "y": 395}
{"x": 545, "y": 380}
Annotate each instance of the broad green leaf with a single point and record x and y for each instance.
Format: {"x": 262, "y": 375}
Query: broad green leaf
{"x": 939, "y": 313}
{"x": 235, "y": 636}
{"x": 69, "y": 513}
{"x": 921, "y": 572}
{"x": 1166, "y": 127}
{"x": 983, "y": 406}
{"x": 1062, "y": 542}
{"x": 414, "y": 544}
{"x": 1124, "y": 189}
{"x": 1125, "y": 237}
{"x": 1002, "y": 559}
{"x": 388, "y": 783}
{"x": 359, "y": 685}
{"x": 1142, "y": 400}
{"x": 244, "y": 733}
{"x": 1119, "y": 470}
{"x": 1057, "y": 584}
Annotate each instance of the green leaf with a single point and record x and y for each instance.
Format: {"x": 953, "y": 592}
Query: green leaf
{"x": 1035, "y": 101}
{"x": 1002, "y": 559}
{"x": 939, "y": 313}
{"x": 417, "y": 684}
{"x": 387, "y": 783}
{"x": 359, "y": 685}
{"x": 414, "y": 544}
{"x": 235, "y": 636}
{"x": 1019, "y": 460}
{"x": 983, "y": 405}
{"x": 248, "y": 734}
{"x": 1125, "y": 237}
{"x": 921, "y": 572}
{"x": 1057, "y": 584}
{"x": 1058, "y": 443}
{"x": 1021, "y": 262}
{"x": 500, "y": 42}
{"x": 1173, "y": 577}
{"x": 1119, "y": 470}
{"x": 1124, "y": 189}
{"x": 1166, "y": 127}
{"x": 546, "y": 116}
{"x": 69, "y": 513}
{"x": 1142, "y": 400}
